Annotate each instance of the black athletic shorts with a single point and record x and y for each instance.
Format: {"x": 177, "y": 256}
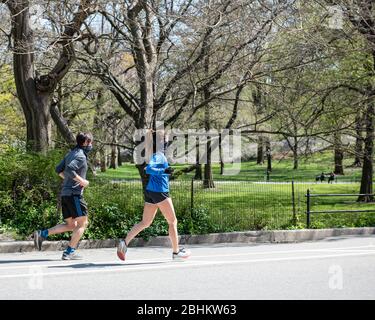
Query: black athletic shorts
{"x": 73, "y": 206}
{"x": 155, "y": 197}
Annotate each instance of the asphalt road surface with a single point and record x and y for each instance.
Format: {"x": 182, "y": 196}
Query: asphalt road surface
{"x": 335, "y": 268}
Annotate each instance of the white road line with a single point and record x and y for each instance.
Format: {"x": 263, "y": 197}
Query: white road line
{"x": 78, "y": 262}
{"x": 62, "y": 263}
{"x": 292, "y": 251}
{"x": 185, "y": 264}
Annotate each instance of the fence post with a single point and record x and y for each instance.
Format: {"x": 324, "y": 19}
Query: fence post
{"x": 192, "y": 196}
{"x": 308, "y": 209}
{"x": 191, "y": 225}
{"x": 294, "y": 204}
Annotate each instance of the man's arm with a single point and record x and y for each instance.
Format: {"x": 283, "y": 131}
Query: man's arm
{"x": 60, "y": 167}
{"x": 83, "y": 182}
{"x": 71, "y": 171}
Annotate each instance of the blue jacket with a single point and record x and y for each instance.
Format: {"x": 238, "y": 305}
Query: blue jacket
{"x": 159, "y": 181}
{"x": 74, "y": 163}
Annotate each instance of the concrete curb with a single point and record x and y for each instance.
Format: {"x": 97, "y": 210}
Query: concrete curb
{"x": 272, "y": 236}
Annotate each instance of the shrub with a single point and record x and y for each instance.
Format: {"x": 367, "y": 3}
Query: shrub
{"x": 201, "y": 221}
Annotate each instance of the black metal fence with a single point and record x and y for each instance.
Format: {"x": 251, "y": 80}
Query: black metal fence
{"x": 236, "y": 205}
{"x": 309, "y": 212}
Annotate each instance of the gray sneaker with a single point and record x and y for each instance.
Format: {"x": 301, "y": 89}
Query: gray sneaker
{"x": 121, "y": 250}
{"x": 181, "y": 255}
{"x": 38, "y": 240}
{"x": 71, "y": 256}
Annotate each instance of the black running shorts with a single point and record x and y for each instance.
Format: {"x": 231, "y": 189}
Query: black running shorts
{"x": 155, "y": 197}
{"x": 73, "y": 207}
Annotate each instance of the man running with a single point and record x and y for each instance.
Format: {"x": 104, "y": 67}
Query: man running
{"x": 157, "y": 197}
{"x": 72, "y": 169}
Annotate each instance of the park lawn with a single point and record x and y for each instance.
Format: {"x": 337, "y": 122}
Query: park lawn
{"x": 256, "y": 206}
{"x": 245, "y": 201}
{"x": 250, "y": 171}
{"x": 246, "y": 205}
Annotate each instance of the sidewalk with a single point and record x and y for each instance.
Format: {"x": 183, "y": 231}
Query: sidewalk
{"x": 275, "y": 236}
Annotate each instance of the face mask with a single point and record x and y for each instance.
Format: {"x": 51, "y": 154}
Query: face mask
{"x": 87, "y": 149}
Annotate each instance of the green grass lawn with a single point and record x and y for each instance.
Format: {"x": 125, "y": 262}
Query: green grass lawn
{"x": 246, "y": 202}
{"x": 282, "y": 170}
{"x": 237, "y": 203}
{"x": 246, "y": 205}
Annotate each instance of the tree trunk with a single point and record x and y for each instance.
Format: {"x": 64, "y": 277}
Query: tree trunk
{"x": 114, "y": 159}
{"x": 208, "y": 181}
{"x": 308, "y": 150}
{"x": 39, "y": 125}
{"x": 222, "y": 167}
{"x": 119, "y": 159}
{"x": 260, "y": 151}
{"x": 268, "y": 154}
{"x": 108, "y": 160}
{"x": 198, "y": 172}
{"x": 56, "y": 106}
{"x": 35, "y": 92}
{"x": 367, "y": 168}
{"x": 359, "y": 141}
{"x": 295, "y": 154}
{"x": 35, "y": 105}
{"x": 339, "y": 155}
{"x": 221, "y": 157}
{"x": 295, "y": 158}
{"x": 103, "y": 162}
{"x": 198, "y": 167}
{"x": 61, "y": 124}
{"x": 114, "y": 153}
{"x": 145, "y": 60}
{"x": 363, "y": 20}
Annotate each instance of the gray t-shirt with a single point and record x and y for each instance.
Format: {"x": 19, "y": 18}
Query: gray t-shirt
{"x": 74, "y": 163}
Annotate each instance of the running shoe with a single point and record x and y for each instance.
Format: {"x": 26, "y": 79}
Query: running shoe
{"x": 38, "y": 239}
{"x": 121, "y": 250}
{"x": 182, "y": 254}
{"x": 70, "y": 256}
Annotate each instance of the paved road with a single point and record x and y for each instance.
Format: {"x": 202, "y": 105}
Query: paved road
{"x": 336, "y": 268}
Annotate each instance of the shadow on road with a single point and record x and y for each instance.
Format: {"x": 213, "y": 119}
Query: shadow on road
{"x": 103, "y": 265}
{"x": 25, "y": 261}
{"x": 345, "y": 237}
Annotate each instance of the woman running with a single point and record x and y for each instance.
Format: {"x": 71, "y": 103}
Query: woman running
{"x": 156, "y": 197}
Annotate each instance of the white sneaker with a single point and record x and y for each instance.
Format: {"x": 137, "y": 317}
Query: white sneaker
{"x": 182, "y": 254}
{"x": 121, "y": 250}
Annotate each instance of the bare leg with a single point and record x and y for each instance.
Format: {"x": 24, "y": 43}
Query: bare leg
{"x": 167, "y": 209}
{"x": 149, "y": 212}
{"x": 69, "y": 225}
{"x": 81, "y": 224}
